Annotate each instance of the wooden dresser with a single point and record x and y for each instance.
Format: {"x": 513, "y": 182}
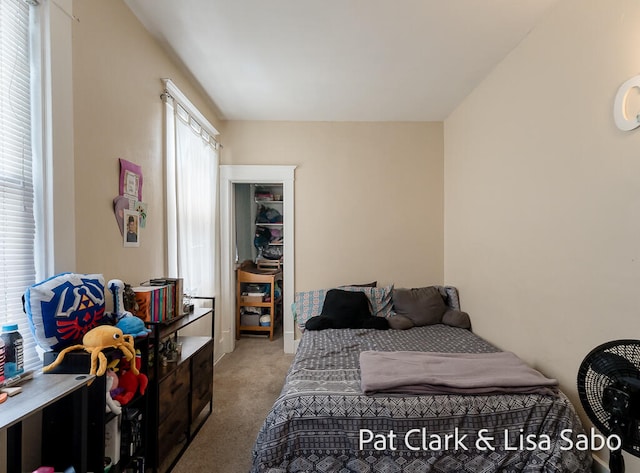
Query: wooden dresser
{"x": 179, "y": 392}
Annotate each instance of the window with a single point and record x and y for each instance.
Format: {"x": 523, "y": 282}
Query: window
{"x": 18, "y": 226}
{"x": 192, "y": 167}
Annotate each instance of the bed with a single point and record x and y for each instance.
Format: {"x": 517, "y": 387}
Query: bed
{"x": 323, "y": 422}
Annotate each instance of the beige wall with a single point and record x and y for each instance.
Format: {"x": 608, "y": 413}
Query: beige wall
{"x": 118, "y": 113}
{"x": 542, "y": 197}
{"x": 368, "y": 197}
{"x": 542, "y": 192}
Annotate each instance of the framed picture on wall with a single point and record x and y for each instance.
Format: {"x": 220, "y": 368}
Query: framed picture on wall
{"x": 131, "y": 235}
{"x": 131, "y": 183}
{"x": 130, "y": 180}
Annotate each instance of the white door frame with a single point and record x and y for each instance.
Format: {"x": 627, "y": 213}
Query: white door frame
{"x": 248, "y": 174}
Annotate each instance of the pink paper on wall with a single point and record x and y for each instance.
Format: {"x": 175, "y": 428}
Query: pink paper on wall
{"x": 130, "y": 180}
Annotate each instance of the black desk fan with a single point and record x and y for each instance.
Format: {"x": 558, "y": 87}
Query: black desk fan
{"x": 609, "y": 389}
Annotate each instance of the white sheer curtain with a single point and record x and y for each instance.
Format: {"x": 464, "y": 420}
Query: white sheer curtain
{"x": 196, "y": 165}
{"x": 192, "y": 176}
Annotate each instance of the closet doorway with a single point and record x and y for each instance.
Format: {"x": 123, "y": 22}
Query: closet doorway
{"x": 241, "y": 180}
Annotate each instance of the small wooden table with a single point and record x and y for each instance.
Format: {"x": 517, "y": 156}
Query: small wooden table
{"x": 38, "y": 393}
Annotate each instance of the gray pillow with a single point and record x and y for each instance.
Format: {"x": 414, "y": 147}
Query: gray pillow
{"x": 400, "y": 322}
{"x": 423, "y": 305}
{"x": 456, "y": 318}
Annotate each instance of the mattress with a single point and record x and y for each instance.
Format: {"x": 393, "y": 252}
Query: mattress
{"x": 322, "y": 421}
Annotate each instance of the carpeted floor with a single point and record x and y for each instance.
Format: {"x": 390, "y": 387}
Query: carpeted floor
{"x": 245, "y": 385}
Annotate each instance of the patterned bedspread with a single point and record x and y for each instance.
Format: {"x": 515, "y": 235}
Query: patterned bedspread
{"x": 322, "y": 422}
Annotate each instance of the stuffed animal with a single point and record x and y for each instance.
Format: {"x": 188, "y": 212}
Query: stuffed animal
{"x": 117, "y": 288}
{"x": 130, "y": 324}
{"x": 112, "y": 383}
{"x": 95, "y": 341}
{"x": 129, "y": 298}
{"x": 130, "y": 382}
{"x": 125, "y": 320}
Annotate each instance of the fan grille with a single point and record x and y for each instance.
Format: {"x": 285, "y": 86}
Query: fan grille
{"x": 612, "y": 364}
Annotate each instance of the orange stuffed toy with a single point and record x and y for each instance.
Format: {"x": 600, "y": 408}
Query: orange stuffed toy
{"x": 129, "y": 383}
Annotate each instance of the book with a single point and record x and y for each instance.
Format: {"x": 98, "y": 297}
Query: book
{"x": 175, "y": 295}
{"x": 151, "y": 303}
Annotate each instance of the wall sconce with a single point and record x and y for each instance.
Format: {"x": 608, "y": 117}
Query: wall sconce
{"x": 620, "y": 105}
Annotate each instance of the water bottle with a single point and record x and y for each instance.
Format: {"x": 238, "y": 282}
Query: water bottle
{"x": 13, "y": 351}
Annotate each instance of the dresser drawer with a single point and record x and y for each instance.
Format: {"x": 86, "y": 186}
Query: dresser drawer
{"x": 203, "y": 359}
{"x": 202, "y": 379}
{"x": 172, "y": 431}
{"x": 172, "y": 388}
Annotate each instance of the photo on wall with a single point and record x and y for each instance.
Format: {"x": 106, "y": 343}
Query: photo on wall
{"x": 132, "y": 234}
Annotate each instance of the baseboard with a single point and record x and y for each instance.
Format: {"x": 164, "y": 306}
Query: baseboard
{"x": 216, "y": 361}
{"x": 290, "y": 344}
{"x": 599, "y": 466}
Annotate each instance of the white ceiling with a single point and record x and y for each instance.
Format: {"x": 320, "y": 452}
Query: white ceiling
{"x": 339, "y": 60}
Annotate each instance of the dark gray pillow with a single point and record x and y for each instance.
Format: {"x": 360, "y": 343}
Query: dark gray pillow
{"x": 346, "y": 309}
{"x": 456, "y": 318}
{"x": 400, "y": 322}
{"x": 423, "y": 305}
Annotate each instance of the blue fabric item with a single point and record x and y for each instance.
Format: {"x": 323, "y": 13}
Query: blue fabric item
{"x": 132, "y": 325}
{"x": 61, "y": 309}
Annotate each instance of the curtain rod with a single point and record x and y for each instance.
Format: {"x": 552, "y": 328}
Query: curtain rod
{"x": 174, "y": 92}
{"x": 60, "y": 7}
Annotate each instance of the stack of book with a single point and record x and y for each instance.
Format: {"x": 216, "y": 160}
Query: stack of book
{"x": 159, "y": 300}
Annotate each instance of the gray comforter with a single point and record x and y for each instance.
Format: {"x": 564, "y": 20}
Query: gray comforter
{"x": 323, "y": 422}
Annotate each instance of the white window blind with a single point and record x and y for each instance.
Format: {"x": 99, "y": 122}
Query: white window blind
{"x": 18, "y": 229}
